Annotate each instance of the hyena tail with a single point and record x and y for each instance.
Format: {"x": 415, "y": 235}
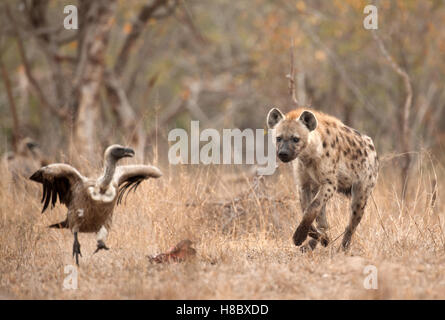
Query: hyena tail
{"x": 60, "y": 225}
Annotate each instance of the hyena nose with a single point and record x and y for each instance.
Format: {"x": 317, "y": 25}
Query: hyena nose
{"x": 284, "y": 156}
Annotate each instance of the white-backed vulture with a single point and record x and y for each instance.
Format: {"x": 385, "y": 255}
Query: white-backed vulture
{"x": 91, "y": 202}
{"x": 26, "y": 160}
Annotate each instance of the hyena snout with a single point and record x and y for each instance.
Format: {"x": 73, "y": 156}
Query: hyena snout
{"x": 287, "y": 154}
{"x": 284, "y": 155}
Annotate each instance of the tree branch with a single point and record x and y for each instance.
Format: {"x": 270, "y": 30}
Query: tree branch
{"x": 137, "y": 27}
{"x": 40, "y": 94}
{"x": 130, "y": 121}
{"x": 406, "y": 82}
{"x": 405, "y": 136}
{"x": 187, "y": 20}
{"x": 16, "y": 125}
{"x": 291, "y": 75}
{"x": 341, "y": 70}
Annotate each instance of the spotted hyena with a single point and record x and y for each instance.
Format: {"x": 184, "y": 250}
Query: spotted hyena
{"x": 327, "y": 157}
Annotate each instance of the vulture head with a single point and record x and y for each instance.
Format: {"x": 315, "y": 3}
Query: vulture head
{"x": 27, "y": 147}
{"x": 32, "y": 145}
{"x": 116, "y": 152}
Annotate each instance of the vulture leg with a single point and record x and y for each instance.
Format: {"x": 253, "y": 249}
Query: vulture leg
{"x": 76, "y": 248}
{"x": 101, "y": 236}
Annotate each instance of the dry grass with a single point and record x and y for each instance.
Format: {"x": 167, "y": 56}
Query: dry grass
{"x": 245, "y": 253}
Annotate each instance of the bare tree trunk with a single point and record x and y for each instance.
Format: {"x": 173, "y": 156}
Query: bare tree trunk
{"x": 44, "y": 100}
{"x": 89, "y": 76}
{"x": 16, "y": 126}
{"x": 137, "y": 27}
{"x": 405, "y": 113}
{"x": 291, "y": 76}
{"x": 132, "y": 125}
{"x": 76, "y": 100}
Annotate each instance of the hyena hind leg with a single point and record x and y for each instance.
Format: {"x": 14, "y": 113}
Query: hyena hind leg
{"x": 360, "y": 197}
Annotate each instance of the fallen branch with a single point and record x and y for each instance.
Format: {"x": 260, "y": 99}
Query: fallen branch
{"x": 179, "y": 253}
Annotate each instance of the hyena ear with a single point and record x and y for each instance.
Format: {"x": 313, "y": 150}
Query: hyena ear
{"x": 309, "y": 120}
{"x": 273, "y": 117}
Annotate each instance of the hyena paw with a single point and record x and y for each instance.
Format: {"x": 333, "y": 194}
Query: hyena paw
{"x": 319, "y": 235}
{"x": 346, "y": 240}
{"x": 309, "y": 246}
{"x": 324, "y": 240}
{"x": 300, "y": 234}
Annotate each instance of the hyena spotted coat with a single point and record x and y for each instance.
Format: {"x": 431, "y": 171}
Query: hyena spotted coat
{"x": 327, "y": 157}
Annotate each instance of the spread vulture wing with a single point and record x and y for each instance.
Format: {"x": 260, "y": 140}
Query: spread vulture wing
{"x": 129, "y": 177}
{"x": 58, "y": 180}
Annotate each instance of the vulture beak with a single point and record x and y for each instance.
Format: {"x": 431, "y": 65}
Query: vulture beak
{"x": 31, "y": 145}
{"x": 129, "y": 152}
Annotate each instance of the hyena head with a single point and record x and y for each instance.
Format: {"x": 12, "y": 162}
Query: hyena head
{"x": 291, "y": 134}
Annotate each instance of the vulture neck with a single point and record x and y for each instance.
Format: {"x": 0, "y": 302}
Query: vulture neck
{"x": 107, "y": 177}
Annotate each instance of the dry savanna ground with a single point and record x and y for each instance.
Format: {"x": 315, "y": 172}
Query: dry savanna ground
{"x": 242, "y": 232}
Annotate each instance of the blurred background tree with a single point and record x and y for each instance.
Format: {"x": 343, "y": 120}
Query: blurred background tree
{"x": 136, "y": 69}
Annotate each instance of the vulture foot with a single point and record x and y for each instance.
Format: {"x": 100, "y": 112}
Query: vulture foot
{"x": 101, "y": 245}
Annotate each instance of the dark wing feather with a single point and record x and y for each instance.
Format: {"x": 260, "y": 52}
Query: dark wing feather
{"x": 130, "y": 177}
{"x": 131, "y": 184}
{"x": 44, "y": 187}
{"x": 57, "y": 184}
{"x": 57, "y": 188}
{"x": 54, "y": 196}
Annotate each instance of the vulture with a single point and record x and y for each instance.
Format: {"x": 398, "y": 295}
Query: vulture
{"x": 91, "y": 202}
{"x": 26, "y": 160}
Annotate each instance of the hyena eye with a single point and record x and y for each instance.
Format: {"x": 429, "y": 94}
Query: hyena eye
{"x": 295, "y": 139}
{"x": 279, "y": 139}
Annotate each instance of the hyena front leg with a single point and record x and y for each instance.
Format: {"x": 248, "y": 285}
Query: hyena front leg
{"x": 360, "y": 196}
{"x": 306, "y": 196}
{"x": 316, "y": 235}
{"x": 319, "y": 234}
{"x": 307, "y": 193}
{"x": 324, "y": 193}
